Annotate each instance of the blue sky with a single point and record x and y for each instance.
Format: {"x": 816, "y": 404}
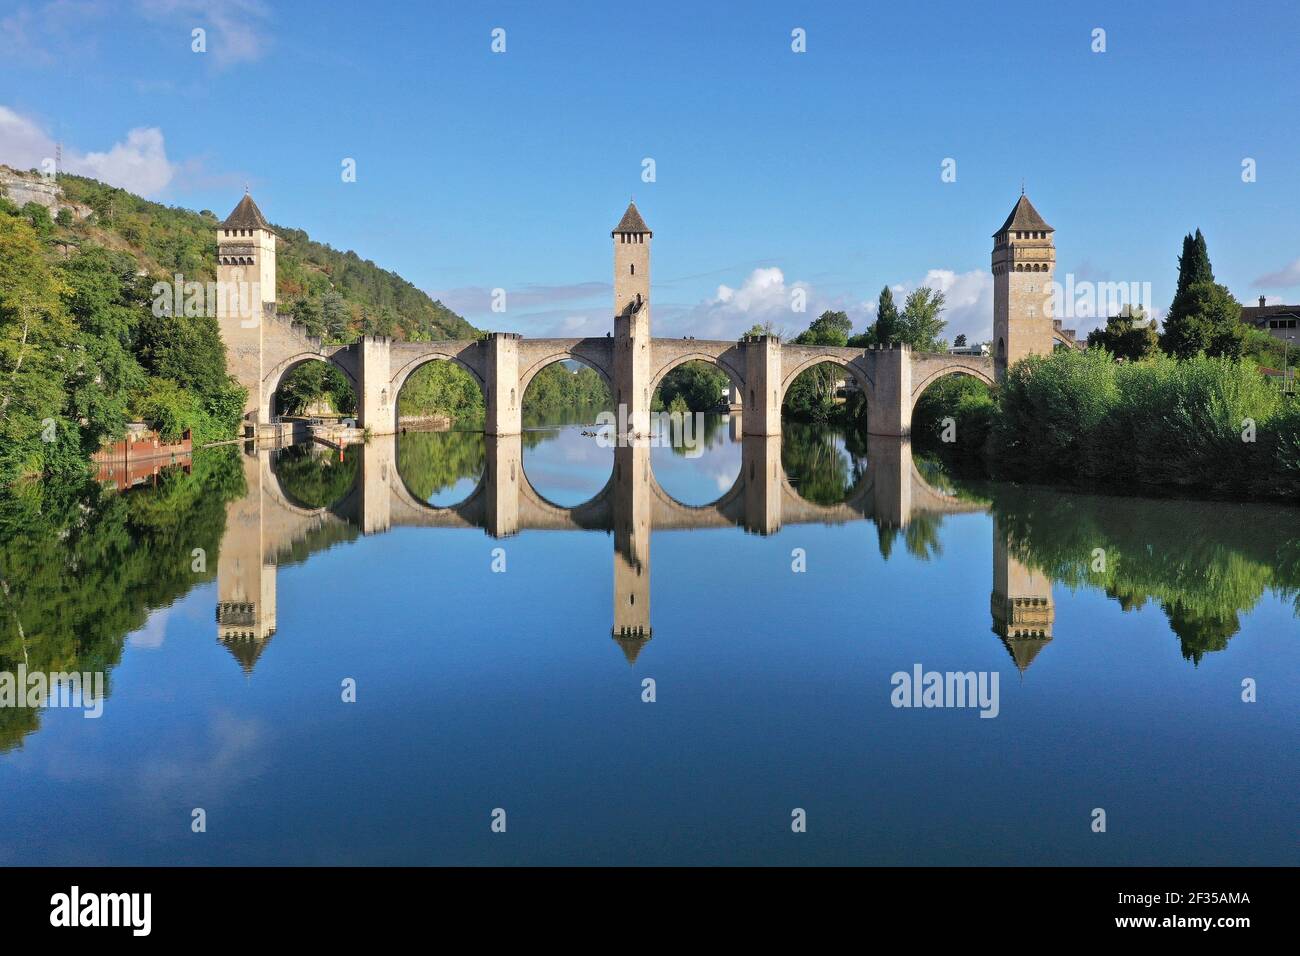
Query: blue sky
{"x": 773, "y": 169}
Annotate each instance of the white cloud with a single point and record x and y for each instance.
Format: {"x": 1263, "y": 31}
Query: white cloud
{"x": 154, "y": 632}
{"x": 138, "y": 163}
{"x": 764, "y": 296}
{"x": 23, "y": 144}
{"x": 1284, "y": 278}
{"x": 237, "y": 28}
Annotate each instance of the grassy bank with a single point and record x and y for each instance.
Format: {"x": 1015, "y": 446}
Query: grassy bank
{"x": 1162, "y": 426}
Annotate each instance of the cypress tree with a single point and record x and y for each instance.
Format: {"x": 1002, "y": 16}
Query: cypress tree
{"x": 887, "y": 329}
{"x": 1194, "y": 263}
{"x": 1204, "y": 316}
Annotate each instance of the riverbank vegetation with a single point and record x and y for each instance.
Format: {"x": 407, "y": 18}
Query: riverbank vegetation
{"x": 1202, "y": 582}
{"x": 84, "y": 566}
{"x": 1161, "y": 426}
{"x": 84, "y": 351}
{"x": 1193, "y": 416}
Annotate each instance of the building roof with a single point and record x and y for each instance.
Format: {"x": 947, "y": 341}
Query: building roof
{"x": 1025, "y": 218}
{"x": 1023, "y": 650}
{"x": 631, "y": 645}
{"x": 1257, "y": 314}
{"x": 246, "y": 216}
{"x": 632, "y": 222}
{"x": 246, "y": 650}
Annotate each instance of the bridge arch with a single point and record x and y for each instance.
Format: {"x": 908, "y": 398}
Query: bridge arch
{"x": 928, "y": 374}
{"x": 440, "y": 443}
{"x": 410, "y": 366}
{"x": 400, "y": 375}
{"x": 273, "y": 379}
{"x": 536, "y": 365}
{"x": 721, "y": 362}
{"x": 846, "y": 363}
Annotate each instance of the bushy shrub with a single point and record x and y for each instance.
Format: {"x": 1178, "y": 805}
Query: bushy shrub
{"x": 1050, "y": 406}
{"x": 1180, "y": 424}
{"x": 970, "y": 404}
{"x": 169, "y": 409}
{"x": 1166, "y": 424}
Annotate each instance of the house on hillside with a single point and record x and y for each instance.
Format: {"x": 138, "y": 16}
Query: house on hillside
{"x": 1279, "y": 321}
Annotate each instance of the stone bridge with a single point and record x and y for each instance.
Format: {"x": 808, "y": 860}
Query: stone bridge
{"x": 267, "y": 527}
{"x": 263, "y": 347}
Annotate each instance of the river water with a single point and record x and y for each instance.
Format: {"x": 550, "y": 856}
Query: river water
{"x": 647, "y": 655}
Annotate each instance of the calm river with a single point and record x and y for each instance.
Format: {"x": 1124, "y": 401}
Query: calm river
{"x": 646, "y": 656}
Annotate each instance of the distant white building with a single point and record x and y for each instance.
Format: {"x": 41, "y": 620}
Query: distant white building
{"x": 981, "y": 349}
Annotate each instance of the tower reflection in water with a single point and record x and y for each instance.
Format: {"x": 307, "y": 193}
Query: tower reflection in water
{"x": 268, "y": 523}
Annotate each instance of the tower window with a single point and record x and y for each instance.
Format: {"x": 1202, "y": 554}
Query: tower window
{"x": 633, "y": 267}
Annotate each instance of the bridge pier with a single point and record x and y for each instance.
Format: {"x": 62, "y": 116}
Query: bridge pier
{"x": 378, "y": 468}
{"x": 502, "y": 384}
{"x": 890, "y": 459}
{"x": 760, "y": 465}
{"x": 376, "y": 406}
{"x": 762, "y": 413}
{"x": 502, "y": 471}
{"x": 889, "y": 408}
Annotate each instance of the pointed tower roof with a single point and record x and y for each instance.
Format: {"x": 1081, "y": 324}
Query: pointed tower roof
{"x": 1025, "y": 218}
{"x": 632, "y": 222}
{"x": 246, "y": 216}
{"x": 631, "y": 645}
{"x": 245, "y": 648}
{"x": 1023, "y": 650}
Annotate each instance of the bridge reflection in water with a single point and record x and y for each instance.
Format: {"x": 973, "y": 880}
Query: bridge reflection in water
{"x": 267, "y": 524}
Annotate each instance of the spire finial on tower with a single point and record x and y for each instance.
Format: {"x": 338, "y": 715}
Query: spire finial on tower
{"x": 1022, "y": 185}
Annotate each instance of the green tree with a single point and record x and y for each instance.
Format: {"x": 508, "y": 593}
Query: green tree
{"x": 442, "y": 389}
{"x": 760, "y": 328}
{"x": 104, "y": 300}
{"x": 920, "y": 323}
{"x": 37, "y": 337}
{"x": 888, "y": 327}
{"x": 184, "y": 348}
{"x": 40, "y": 219}
{"x": 1204, "y": 316}
{"x": 698, "y": 385}
{"x": 313, "y": 382}
{"x": 830, "y": 328}
{"x": 1130, "y": 335}
{"x": 1194, "y": 263}
{"x": 960, "y": 341}
{"x": 811, "y": 396}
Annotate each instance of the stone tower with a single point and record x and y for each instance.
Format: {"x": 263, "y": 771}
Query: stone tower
{"x": 632, "y": 320}
{"x": 245, "y": 577}
{"x": 246, "y": 297}
{"x": 631, "y": 509}
{"x": 1024, "y": 257}
{"x": 1021, "y": 603}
